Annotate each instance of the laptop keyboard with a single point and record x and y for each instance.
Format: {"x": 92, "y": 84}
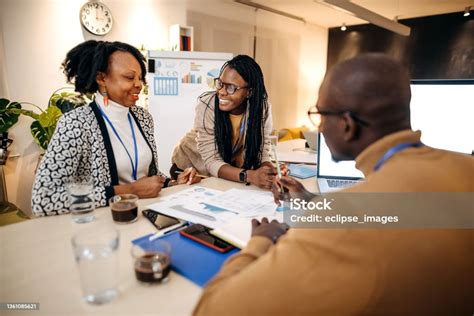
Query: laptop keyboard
{"x": 340, "y": 183}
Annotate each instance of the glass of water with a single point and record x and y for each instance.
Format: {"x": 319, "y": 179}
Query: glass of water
{"x": 96, "y": 253}
{"x": 81, "y": 199}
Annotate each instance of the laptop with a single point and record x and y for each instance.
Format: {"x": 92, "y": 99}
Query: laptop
{"x": 334, "y": 176}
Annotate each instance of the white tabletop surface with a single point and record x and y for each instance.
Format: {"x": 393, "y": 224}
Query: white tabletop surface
{"x": 37, "y": 266}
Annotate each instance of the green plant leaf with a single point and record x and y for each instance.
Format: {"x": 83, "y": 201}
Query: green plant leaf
{"x": 50, "y": 117}
{"x": 67, "y": 101}
{"x": 3, "y": 103}
{"x": 29, "y": 113}
{"x": 8, "y": 114}
{"x": 40, "y": 134}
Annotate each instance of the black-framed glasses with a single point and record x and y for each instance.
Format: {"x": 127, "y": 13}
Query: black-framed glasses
{"x": 315, "y": 116}
{"x": 230, "y": 88}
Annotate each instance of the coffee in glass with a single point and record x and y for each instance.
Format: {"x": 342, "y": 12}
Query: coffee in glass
{"x": 124, "y": 208}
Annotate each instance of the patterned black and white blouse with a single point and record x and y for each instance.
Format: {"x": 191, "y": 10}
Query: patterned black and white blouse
{"x": 80, "y": 149}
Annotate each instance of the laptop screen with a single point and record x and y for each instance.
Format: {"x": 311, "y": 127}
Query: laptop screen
{"x": 328, "y": 168}
{"x": 443, "y": 111}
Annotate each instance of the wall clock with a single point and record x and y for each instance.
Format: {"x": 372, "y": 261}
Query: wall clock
{"x": 96, "y": 18}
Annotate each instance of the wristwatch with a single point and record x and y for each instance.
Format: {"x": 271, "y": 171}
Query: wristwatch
{"x": 243, "y": 176}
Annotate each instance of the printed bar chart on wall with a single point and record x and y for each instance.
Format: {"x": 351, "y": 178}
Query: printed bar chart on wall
{"x": 176, "y": 79}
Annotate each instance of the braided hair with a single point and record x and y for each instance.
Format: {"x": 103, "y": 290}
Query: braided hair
{"x": 86, "y": 60}
{"x": 250, "y": 71}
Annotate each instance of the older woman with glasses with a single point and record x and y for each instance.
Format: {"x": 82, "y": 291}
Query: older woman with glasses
{"x": 232, "y": 126}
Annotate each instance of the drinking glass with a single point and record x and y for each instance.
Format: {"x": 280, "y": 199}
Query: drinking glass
{"x": 152, "y": 261}
{"x": 81, "y": 198}
{"x": 95, "y": 251}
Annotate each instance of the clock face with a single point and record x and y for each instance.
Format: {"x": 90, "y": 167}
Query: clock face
{"x": 96, "y": 18}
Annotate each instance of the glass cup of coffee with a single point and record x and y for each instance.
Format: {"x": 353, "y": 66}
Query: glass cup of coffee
{"x": 152, "y": 261}
{"x": 124, "y": 208}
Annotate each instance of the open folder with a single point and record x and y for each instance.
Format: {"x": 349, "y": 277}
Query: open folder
{"x": 194, "y": 261}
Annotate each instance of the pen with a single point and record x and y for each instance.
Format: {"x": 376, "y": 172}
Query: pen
{"x": 197, "y": 175}
{"x": 282, "y": 188}
{"x": 161, "y": 233}
{"x": 277, "y": 162}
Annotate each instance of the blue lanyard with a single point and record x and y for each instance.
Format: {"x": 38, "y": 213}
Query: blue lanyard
{"x": 134, "y": 166}
{"x": 236, "y": 146}
{"x": 392, "y": 151}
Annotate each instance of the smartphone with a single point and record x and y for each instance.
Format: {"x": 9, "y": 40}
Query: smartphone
{"x": 201, "y": 234}
{"x": 161, "y": 221}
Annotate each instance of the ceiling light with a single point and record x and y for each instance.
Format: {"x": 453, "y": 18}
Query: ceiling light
{"x": 467, "y": 11}
{"x": 367, "y": 15}
{"x": 343, "y": 27}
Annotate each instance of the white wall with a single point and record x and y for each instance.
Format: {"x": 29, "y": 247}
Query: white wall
{"x": 36, "y": 37}
{"x": 292, "y": 54}
{"x": 37, "y": 34}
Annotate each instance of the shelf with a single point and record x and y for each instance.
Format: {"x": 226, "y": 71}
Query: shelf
{"x": 181, "y": 38}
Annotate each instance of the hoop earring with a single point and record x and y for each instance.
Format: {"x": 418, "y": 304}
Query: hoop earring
{"x": 106, "y": 97}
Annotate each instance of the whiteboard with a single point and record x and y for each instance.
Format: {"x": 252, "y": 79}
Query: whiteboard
{"x": 174, "y": 85}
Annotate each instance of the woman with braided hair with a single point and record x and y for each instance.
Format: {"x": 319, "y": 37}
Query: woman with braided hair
{"x": 110, "y": 141}
{"x": 232, "y": 127}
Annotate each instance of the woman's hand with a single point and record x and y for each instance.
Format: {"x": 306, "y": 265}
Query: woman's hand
{"x": 262, "y": 177}
{"x": 146, "y": 187}
{"x": 284, "y": 169}
{"x": 189, "y": 176}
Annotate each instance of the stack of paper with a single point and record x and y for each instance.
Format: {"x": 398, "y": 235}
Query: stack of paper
{"x": 213, "y": 208}
{"x": 246, "y": 203}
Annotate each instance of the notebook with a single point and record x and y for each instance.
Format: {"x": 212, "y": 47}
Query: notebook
{"x": 334, "y": 176}
{"x": 238, "y": 232}
{"x": 302, "y": 171}
{"x": 194, "y": 261}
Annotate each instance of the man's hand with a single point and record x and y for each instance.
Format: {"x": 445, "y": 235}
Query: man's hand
{"x": 291, "y": 189}
{"x": 263, "y": 177}
{"x": 272, "y": 230}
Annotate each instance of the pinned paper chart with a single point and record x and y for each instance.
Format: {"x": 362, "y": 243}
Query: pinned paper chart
{"x": 211, "y": 75}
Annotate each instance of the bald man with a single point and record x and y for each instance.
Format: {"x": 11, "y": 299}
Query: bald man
{"x": 364, "y": 107}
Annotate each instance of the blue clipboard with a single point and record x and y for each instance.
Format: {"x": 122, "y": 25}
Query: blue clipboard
{"x": 194, "y": 261}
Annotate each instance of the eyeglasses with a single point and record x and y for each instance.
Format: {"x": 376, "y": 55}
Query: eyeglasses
{"x": 315, "y": 116}
{"x": 230, "y": 88}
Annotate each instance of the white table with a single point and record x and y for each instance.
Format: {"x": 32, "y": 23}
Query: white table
{"x": 37, "y": 266}
{"x": 294, "y": 151}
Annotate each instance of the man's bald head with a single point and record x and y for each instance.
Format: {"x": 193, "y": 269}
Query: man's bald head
{"x": 373, "y": 86}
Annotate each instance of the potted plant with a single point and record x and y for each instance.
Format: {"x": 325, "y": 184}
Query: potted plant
{"x": 8, "y": 118}
{"x": 44, "y": 121}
